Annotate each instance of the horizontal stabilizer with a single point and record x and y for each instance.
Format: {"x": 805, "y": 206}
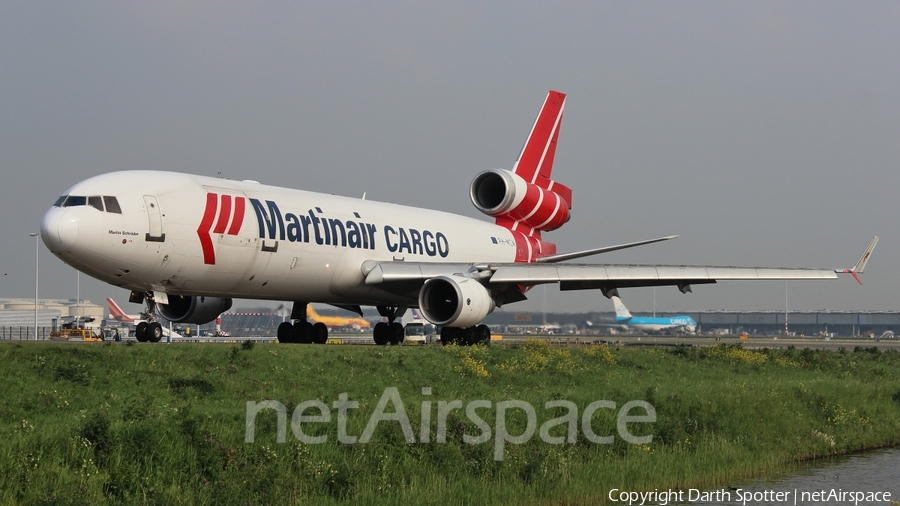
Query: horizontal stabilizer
{"x": 580, "y": 254}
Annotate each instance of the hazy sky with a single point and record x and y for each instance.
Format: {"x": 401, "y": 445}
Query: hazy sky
{"x": 763, "y": 133}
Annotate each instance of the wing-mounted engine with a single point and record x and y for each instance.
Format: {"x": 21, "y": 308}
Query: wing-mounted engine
{"x": 505, "y": 195}
{"x": 455, "y": 301}
{"x": 193, "y": 309}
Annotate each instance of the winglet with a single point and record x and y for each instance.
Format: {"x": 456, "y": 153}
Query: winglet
{"x": 861, "y": 264}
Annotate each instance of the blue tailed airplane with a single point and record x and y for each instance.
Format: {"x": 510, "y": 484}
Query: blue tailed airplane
{"x": 648, "y": 324}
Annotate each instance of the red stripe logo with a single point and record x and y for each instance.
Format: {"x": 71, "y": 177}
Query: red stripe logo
{"x": 227, "y": 214}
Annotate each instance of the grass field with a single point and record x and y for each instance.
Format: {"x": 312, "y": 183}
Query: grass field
{"x": 157, "y": 424}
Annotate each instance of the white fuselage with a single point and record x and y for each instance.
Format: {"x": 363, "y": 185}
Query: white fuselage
{"x": 184, "y": 234}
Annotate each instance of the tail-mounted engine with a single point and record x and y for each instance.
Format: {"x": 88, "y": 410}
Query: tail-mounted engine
{"x": 455, "y": 301}
{"x": 193, "y": 309}
{"x": 506, "y": 196}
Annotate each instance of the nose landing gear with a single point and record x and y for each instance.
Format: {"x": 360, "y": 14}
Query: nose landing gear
{"x": 148, "y": 330}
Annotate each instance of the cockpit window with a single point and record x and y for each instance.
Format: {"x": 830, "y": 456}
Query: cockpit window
{"x": 74, "y": 201}
{"x": 96, "y": 202}
{"x": 112, "y": 205}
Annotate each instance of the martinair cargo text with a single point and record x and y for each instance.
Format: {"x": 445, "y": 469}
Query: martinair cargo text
{"x": 186, "y": 245}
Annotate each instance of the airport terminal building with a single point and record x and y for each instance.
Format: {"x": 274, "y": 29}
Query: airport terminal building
{"x": 844, "y": 323}
{"x": 17, "y": 315}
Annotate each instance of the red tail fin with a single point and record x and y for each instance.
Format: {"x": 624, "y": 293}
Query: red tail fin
{"x": 535, "y": 163}
{"x": 525, "y": 200}
{"x": 535, "y": 166}
{"x": 116, "y": 312}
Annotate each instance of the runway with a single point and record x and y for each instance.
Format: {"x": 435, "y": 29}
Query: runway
{"x": 571, "y": 340}
{"x": 574, "y": 340}
{"x": 751, "y": 342}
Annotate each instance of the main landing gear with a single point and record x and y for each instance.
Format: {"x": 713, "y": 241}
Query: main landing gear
{"x": 465, "y": 337}
{"x": 149, "y": 330}
{"x": 389, "y": 332}
{"x": 300, "y": 330}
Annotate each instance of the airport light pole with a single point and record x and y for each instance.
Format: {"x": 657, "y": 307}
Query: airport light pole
{"x": 77, "y": 298}
{"x": 785, "y": 310}
{"x": 35, "y": 283}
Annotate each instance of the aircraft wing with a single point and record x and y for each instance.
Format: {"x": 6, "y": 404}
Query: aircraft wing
{"x": 502, "y": 278}
{"x": 581, "y": 276}
{"x": 586, "y": 277}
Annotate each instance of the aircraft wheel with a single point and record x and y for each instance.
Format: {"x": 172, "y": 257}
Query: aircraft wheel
{"x": 468, "y": 336}
{"x": 284, "y": 332}
{"x": 395, "y": 333}
{"x": 448, "y": 335}
{"x": 140, "y": 332}
{"x": 380, "y": 333}
{"x": 298, "y": 332}
{"x": 307, "y": 333}
{"x": 319, "y": 333}
{"x": 154, "y": 332}
{"x": 482, "y": 334}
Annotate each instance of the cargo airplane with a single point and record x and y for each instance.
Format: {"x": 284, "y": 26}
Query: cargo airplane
{"x": 185, "y": 245}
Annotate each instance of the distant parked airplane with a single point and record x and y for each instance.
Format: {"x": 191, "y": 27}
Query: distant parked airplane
{"x": 140, "y": 323}
{"x": 117, "y": 314}
{"x": 651, "y": 324}
{"x": 336, "y": 321}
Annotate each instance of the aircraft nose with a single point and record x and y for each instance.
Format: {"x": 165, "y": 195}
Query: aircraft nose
{"x": 59, "y": 229}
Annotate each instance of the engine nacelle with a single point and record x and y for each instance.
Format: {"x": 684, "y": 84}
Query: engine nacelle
{"x": 503, "y": 194}
{"x": 193, "y": 309}
{"x": 455, "y": 301}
